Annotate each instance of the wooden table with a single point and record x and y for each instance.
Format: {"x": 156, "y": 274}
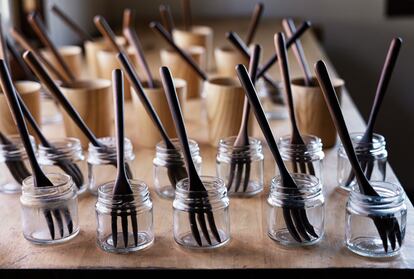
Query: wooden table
{"x": 250, "y": 247}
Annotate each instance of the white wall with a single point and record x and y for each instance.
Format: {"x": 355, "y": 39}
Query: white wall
{"x": 357, "y": 35}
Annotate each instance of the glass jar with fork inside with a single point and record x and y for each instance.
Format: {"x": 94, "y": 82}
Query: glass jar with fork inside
{"x": 296, "y": 215}
{"x": 367, "y": 215}
{"x": 133, "y": 235}
{"x": 372, "y": 157}
{"x": 49, "y": 213}
{"x": 65, "y": 155}
{"x": 201, "y": 219}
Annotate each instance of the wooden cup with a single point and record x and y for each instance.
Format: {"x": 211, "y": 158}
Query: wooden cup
{"x": 147, "y": 135}
{"x": 197, "y": 36}
{"x": 311, "y": 111}
{"x": 180, "y": 69}
{"x": 93, "y": 100}
{"x": 224, "y": 104}
{"x": 91, "y": 51}
{"x": 30, "y": 93}
{"x": 107, "y": 62}
{"x": 72, "y": 55}
{"x": 226, "y": 60}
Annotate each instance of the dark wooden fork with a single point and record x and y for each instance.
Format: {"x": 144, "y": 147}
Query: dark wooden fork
{"x": 39, "y": 178}
{"x": 122, "y": 189}
{"x": 175, "y": 172}
{"x": 55, "y": 91}
{"x": 241, "y": 168}
{"x": 296, "y": 219}
{"x": 296, "y": 138}
{"x": 390, "y": 61}
{"x": 195, "y": 184}
{"x": 387, "y": 226}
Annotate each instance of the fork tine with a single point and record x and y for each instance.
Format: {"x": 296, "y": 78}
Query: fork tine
{"x": 289, "y": 224}
{"x": 382, "y": 166}
{"x": 194, "y": 228}
{"x": 311, "y": 169}
{"x": 58, "y": 218}
{"x": 391, "y": 232}
{"x": 68, "y": 219}
{"x": 203, "y": 226}
{"x": 302, "y": 167}
{"x": 124, "y": 224}
{"x": 297, "y": 219}
{"x": 246, "y": 176}
{"x": 397, "y": 232}
{"x": 114, "y": 226}
{"x": 369, "y": 169}
{"x": 308, "y": 226}
{"x": 239, "y": 174}
{"x": 231, "y": 175}
{"x": 382, "y": 232}
{"x": 213, "y": 227}
{"x": 134, "y": 226}
{"x": 49, "y": 221}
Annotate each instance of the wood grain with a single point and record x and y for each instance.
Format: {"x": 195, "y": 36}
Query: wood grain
{"x": 226, "y": 60}
{"x": 197, "y": 36}
{"x": 146, "y": 134}
{"x": 72, "y": 55}
{"x": 93, "y": 101}
{"x": 30, "y": 93}
{"x": 180, "y": 69}
{"x": 311, "y": 111}
{"x": 249, "y": 246}
{"x": 91, "y": 50}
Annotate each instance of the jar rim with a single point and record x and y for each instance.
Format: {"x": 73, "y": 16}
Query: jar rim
{"x": 310, "y": 141}
{"x": 28, "y": 182}
{"x": 394, "y": 189}
{"x": 229, "y": 141}
{"x": 160, "y": 146}
{"x": 313, "y": 181}
{"x": 139, "y": 187}
{"x": 215, "y": 184}
{"x": 68, "y": 142}
{"x": 110, "y": 145}
{"x": 377, "y": 138}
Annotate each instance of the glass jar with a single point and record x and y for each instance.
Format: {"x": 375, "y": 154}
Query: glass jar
{"x": 372, "y": 157}
{"x": 102, "y": 162}
{"x": 65, "y": 156}
{"x": 139, "y": 204}
{"x": 286, "y": 205}
{"x": 49, "y": 213}
{"x": 272, "y": 100}
{"x": 14, "y": 164}
{"x": 241, "y": 168}
{"x": 303, "y": 158}
{"x": 168, "y": 165}
{"x": 188, "y": 204}
{"x": 361, "y": 233}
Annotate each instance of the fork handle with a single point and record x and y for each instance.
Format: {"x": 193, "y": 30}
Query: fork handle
{"x": 175, "y": 109}
{"x": 166, "y": 17}
{"x": 55, "y": 91}
{"x": 106, "y": 31}
{"x": 335, "y": 110}
{"x": 251, "y": 94}
{"x": 254, "y": 22}
{"x": 10, "y": 93}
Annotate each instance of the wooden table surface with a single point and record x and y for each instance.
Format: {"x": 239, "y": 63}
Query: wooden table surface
{"x": 250, "y": 247}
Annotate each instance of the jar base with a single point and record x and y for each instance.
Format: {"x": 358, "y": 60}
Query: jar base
{"x": 187, "y": 241}
{"x": 10, "y": 188}
{"x": 144, "y": 240}
{"x": 166, "y": 192}
{"x": 283, "y": 237}
{"x": 371, "y": 247}
{"x": 43, "y": 241}
{"x": 253, "y": 188}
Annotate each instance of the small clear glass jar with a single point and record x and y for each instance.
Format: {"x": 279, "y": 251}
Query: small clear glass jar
{"x": 102, "y": 162}
{"x": 168, "y": 162}
{"x": 140, "y": 202}
{"x": 188, "y": 204}
{"x": 361, "y": 233}
{"x": 14, "y": 165}
{"x": 272, "y": 100}
{"x": 372, "y": 157}
{"x": 49, "y": 213}
{"x": 305, "y": 201}
{"x": 236, "y": 164}
{"x": 65, "y": 155}
{"x": 303, "y": 158}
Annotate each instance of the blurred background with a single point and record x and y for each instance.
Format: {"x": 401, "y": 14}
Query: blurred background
{"x": 355, "y": 34}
